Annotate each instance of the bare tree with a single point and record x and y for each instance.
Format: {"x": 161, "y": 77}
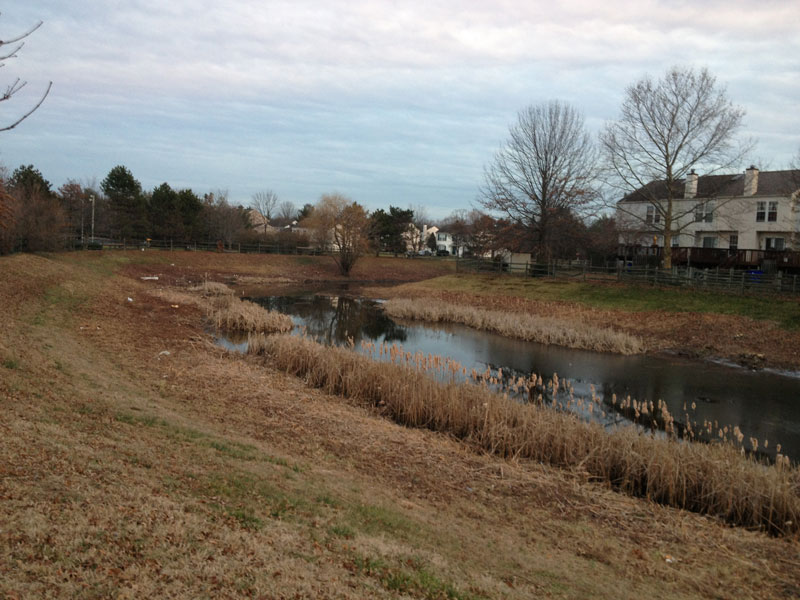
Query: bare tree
{"x": 287, "y": 211}
{"x": 667, "y": 128}
{"x": 547, "y": 165}
{"x": 16, "y": 45}
{"x": 342, "y": 226}
{"x": 416, "y": 234}
{"x": 265, "y": 202}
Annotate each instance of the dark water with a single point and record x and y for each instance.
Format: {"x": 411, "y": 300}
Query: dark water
{"x": 765, "y": 405}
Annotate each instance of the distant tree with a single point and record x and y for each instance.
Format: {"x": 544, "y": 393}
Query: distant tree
{"x": 190, "y": 207}
{"x": 39, "y": 223}
{"x": 457, "y": 225}
{"x": 547, "y": 164}
{"x": 571, "y": 241}
{"x": 665, "y": 129}
{"x": 265, "y": 203}
{"x": 603, "y": 238}
{"x": 482, "y": 233}
{"x": 74, "y": 201}
{"x": 388, "y": 230}
{"x": 287, "y": 212}
{"x": 165, "y": 213}
{"x": 341, "y": 225}
{"x": 9, "y": 49}
{"x": 416, "y": 232}
{"x": 305, "y": 211}
{"x": 127, "y": 203}
{"x": 29, "y": 180}
{"x": 222, "y": 221}
{"x": 431, "y": 243}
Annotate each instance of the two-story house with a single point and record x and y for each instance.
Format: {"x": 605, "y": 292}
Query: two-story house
{"x": 752, "y": 211}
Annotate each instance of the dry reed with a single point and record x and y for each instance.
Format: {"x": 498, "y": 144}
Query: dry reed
{"x": 710, "y": 479}
{"x": 226, "y": 312}
{"x": 546, "y": 330}
{"x": 242, "y": 316}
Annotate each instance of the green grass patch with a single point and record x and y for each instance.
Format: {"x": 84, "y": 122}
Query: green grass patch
{"x": 11, "y": 363}
{"x": 226, "y": 448}
{"x": 342, "y": 531}
{"x": 414, "y": 578}
{"x": 372, "y": 519}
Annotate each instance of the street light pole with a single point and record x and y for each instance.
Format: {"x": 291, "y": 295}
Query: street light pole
{"x": 92, "y": 199}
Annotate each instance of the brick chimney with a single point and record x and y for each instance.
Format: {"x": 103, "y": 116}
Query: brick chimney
{"x": 690, "y": 191}
{"x": 750, "y": 181}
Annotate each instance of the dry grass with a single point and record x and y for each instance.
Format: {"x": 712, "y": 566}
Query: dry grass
{"x": 710, "y": 479}
{"x": 529, "y": 327}
{"x": 226, "y": 312}
{"x": 246, "y": 317}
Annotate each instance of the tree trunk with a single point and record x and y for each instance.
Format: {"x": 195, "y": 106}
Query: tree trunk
{"x": 666, "y": 261}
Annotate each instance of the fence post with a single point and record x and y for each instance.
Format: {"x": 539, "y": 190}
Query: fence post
{"x": 794, "y": 284}
{"x": 741, "y": 291}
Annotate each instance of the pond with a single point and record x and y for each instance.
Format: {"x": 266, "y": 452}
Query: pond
{"x": 764, "y": 405}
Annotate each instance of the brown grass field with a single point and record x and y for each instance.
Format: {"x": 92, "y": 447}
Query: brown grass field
{"x": 138, "y": 459}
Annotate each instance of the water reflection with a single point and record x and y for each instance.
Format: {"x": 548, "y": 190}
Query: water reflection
{"x": 764, "y": 405}
{"x": 336, "y": 319}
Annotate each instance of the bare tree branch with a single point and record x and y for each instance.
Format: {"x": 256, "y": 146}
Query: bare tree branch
{"x": 17, "y": 85}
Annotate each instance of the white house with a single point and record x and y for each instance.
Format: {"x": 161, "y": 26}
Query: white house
{"x": 446, "y": 243}
{"x": 750, "y": 211}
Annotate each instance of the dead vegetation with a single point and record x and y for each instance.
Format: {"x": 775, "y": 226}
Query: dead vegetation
{"x": 530, "y": 327}
{"x": 226, "y": 312}
{"x": 710, "y": 479}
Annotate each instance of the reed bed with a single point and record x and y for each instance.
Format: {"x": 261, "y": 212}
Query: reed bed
{"x": 227, "y": 312}
{"x": 709, "y": 479}
{"x": 546, "y": 330}
{"x": 247, "y": 317}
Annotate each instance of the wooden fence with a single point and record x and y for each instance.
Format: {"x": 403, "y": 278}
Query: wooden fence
{"x": 736, "y": 281}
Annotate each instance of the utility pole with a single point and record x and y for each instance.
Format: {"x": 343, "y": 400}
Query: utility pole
{"x": 92, "y": 199}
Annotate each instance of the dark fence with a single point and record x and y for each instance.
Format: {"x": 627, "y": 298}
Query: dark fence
{"x": 715, "y": 257}
{"x": 737, "y": 281}
{"x": 112, "y": 244}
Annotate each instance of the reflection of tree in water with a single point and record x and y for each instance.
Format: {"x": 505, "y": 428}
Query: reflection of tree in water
{"x": 335, "y": 319}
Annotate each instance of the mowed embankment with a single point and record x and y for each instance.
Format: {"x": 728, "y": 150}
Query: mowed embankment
{"x": 139, "y": 459}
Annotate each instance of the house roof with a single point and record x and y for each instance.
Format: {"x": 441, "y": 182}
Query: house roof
{"x": 770, "y": 183}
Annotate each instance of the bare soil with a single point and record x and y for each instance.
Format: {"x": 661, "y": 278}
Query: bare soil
{"x": 137, "y": 458}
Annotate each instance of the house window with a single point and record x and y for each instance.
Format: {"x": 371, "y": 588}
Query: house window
{"x": 704, "y": 212}
{"x": 772, "y": 215}
{"x": 709, "y": 242}
{"x": 776, "y": 243}
{"x": 761, "y": 210}
{"x": 653, "y": 216}
{"x": 733, "y": 242}
{"x": 441, "y": 237}
{"x": 675, "y": 241}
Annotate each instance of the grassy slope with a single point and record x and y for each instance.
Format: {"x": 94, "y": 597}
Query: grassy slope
{"x": 126, "y": 471}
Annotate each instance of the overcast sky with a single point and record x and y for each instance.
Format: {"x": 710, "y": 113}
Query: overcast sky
{"x": 389, "y": 102}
